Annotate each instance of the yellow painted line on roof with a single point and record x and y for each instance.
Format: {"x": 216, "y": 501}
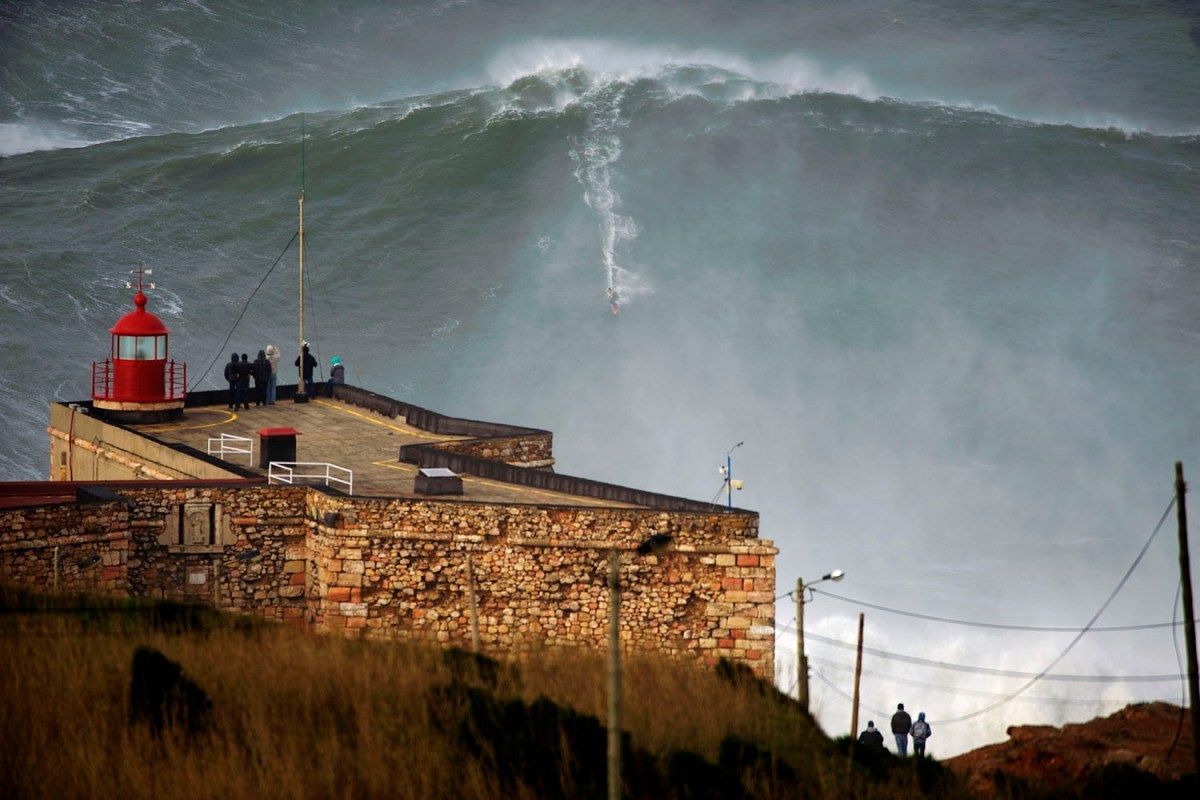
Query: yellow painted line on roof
{"x": 407, "y": 431}
{"x": 396, "y": 465}
{"x": 230, "y": 416}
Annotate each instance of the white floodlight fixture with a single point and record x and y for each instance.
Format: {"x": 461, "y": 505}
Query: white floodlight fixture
{"x": 835, "y": 576}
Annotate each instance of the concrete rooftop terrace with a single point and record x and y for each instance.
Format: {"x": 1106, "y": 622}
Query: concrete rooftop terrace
{"x": 334, "y": 431}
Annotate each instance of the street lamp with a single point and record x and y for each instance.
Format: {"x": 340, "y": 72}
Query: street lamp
{"x": 653, "y": 544}
{"x": 801, "y": 659}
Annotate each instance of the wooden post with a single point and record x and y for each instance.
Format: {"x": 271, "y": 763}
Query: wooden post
{"x": 1189, "y": 619}
{"x": 801, "y": 660}
{"x": 56, "y": 568}
{"x": 857, "y": 679}
{"x": 614, "y": 675}
{"x": 473, "y": 605}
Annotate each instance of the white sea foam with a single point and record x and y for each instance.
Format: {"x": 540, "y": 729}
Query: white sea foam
{"x": 761, "y": 79}
{"x": 17, "y": 138}
{"x": 625, "y": 62}
{"x": 594, "y": 152}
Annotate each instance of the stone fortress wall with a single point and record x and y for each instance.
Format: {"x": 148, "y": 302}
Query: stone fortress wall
{"x": 391, "y": 567}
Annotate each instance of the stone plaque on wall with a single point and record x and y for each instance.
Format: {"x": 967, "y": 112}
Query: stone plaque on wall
{"x": 197, "y": 524}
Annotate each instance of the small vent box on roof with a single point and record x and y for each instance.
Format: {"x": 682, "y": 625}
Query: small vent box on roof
{"x": 437, "y": 480}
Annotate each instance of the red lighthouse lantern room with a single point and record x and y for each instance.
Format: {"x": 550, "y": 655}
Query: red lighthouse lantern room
{"x": 137, "y": 383}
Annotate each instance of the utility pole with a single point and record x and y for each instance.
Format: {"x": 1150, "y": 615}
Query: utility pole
{"x": 857, "y": 679}
{"x": 473, "y": 605}
{"x": 1189, "y": 619}
{"x": 801, "y": 659}
{"x": 614, "y": 675}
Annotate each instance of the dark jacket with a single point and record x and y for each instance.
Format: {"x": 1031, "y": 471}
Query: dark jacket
{"x": 872, "y": 737}
{"x": 310, "y": 364}
{"x": 231, "y": 369}
{"x": 901, "y": 722}
{"x": 243, "y": 370}
{"x": 337, "y": 374}
{"x": 261, "y": 368}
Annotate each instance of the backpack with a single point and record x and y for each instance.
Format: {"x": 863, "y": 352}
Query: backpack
{"x": 920, "y": 730}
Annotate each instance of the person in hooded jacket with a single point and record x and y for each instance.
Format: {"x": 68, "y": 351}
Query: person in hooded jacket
{"x": 261, "y": 370}
{"x": 871, "y": 736}
{"x": 920, "y": 732}
{"x": 231, "y": 375}
{"x": 337, "y": 375}
{"x": 244, "y": 369}
{"x": 310, "y": 364}
{"x": 273, "y": 378}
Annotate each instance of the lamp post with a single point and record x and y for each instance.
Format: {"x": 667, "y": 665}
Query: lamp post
{"x": 801, "y": 660}
{"x": 651, "y": 545}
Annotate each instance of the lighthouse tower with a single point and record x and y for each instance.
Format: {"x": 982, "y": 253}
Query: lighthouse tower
{"x": 137, "y": 383}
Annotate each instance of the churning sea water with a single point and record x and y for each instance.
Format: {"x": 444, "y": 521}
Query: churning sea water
{"x": 937, "y": 263}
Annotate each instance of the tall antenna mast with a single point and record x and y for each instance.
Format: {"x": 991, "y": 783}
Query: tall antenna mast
{"x": 301, "y": 394}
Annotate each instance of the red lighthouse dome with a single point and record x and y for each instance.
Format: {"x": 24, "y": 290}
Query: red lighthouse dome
{"x": 137, "y": 383}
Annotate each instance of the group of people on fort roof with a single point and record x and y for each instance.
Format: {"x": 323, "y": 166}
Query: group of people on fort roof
{"x": 902, "y": 727}
{"x": 264, "y": 371}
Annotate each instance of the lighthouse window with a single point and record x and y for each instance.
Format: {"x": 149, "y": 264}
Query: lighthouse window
{"x": 143, "y": 348}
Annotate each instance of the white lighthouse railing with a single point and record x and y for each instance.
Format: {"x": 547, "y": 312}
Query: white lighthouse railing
{"x": 286, "y": 472}
{"x": 229, "y": 444}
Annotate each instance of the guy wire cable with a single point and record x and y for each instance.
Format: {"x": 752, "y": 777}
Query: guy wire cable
{"x": 242, "y": 313}
{"x": 1182, "y": 680}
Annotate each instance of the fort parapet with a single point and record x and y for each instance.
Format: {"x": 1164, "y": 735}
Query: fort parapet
{"x": 145, "y": 510}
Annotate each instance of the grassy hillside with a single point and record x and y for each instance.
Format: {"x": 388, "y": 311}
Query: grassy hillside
{"x": 297, "y": 715}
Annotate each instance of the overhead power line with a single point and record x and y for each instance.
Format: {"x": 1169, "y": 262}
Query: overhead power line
{"x": 1004, "y": 673}
{"x": 883, "y": 676}
{"x": 1079, "y": 636}
{"x": 994, "y": 625}
{"x": 839, "y": 690}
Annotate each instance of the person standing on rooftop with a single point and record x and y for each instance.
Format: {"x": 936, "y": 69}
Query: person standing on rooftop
{"x": 231, "y": 375}
{"x": 272, "y": 379}
{"x": 310, "y": 364}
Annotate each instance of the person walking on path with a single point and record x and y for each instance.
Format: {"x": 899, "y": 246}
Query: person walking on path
{"x": 310, "y": 364}
{"x": 261, "y": 371}
{"x": 920, "y": 732}
{"x": 337, "y": 375}
{"x": 901, "y": 725}
{"x": 231, "y": 375}
{"x": 243, "y": 373}
{"x": 871, "y": 737}
{"x": 273, "y": 378}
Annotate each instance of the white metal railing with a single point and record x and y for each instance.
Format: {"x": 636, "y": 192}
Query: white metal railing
{"x": 227, "y": 443}
{"x": 286, "y": 472}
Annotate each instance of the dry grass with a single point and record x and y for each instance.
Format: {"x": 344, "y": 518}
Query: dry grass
{"x": 298, "y": 716}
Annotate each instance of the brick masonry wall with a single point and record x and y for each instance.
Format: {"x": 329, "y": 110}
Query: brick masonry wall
{"x": 257, "y": 562}
{"x": 396, "y": 567}
{"x": 92, "y": 541}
